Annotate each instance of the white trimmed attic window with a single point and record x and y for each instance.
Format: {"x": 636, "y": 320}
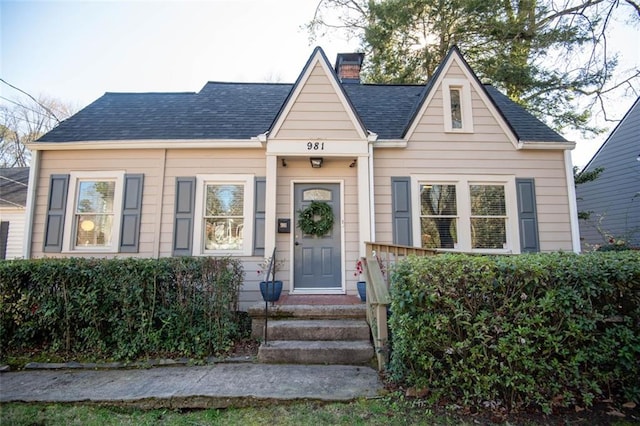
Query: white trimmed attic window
{"x": 456, "y": 106}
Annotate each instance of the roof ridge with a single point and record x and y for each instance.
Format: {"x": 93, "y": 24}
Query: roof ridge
{"x": 149, "y": 93}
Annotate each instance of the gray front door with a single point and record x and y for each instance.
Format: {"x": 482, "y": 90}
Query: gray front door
{"x": 317, "y": 260}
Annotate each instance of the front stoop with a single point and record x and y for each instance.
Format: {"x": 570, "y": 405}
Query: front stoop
{"x": 352, "y": 352}
{"x": 333, "y": 329}
{"x": 313, "y": 334}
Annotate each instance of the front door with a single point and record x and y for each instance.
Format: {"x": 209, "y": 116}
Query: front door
{"x": 317, "y": 260}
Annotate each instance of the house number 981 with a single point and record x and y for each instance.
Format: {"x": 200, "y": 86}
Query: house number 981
{"x": 315, "y": 146}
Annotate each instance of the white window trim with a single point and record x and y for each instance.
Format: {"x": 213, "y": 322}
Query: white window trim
{"x": 68, "y": 244}
{"x": 249, "y": 194}
{"x": 463, "y": 201}
{"x": 465, "y": 105}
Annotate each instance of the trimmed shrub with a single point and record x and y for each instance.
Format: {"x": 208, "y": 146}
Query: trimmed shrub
{"x": 516, "y": 331}
{"x": 120, "y": 308}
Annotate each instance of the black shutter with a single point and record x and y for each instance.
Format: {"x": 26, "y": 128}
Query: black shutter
{"x": 131, "y": 212}
{"x": 259, "y": 211}
{"x": 56, "y": 208}
{"x": 401, "y": 210}
{"x": 183, "y": 226}
{"x": 4, "y": 236}
{"x": 527, "y": 215}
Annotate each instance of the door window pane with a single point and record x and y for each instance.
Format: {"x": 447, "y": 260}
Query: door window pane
{"x": 316, "y": 195}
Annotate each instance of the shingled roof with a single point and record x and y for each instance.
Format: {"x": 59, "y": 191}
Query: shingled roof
{"x": 526, "y": 126}
{"x": 244, "y": 110}
{"x": 14, "y": 182}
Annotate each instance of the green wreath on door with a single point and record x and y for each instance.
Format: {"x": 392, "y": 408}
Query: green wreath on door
{"x": 317, "y": 219}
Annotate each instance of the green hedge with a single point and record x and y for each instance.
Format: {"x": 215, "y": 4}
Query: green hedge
{"x": 515, "y": 331}
{"x": 119, "y": 308}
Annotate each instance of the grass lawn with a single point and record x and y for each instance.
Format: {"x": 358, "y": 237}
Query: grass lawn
{"x": 363, "y": 412}
{"x": 391, "y": 410}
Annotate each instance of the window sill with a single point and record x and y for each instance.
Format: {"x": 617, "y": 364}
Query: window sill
{"x": 463, "y": 131}
{"x": 90, "y": 251}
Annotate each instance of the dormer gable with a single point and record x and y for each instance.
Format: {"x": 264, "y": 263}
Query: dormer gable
{"x": 317, "y": 107}
{"x": 453, "y": 86}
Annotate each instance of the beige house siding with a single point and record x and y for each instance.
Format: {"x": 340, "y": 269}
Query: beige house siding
{"x": 317, "y": 113}
{"x": 147, "y": 162}
{"x": 486, "y": 151}
{"x": 162, "y": 167}
{"x": 192, "y": 162}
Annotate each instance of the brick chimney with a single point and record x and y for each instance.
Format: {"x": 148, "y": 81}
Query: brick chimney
{"x": 348, "y": 66}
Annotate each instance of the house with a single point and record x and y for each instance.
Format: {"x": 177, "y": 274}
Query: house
{"x": 613, "y": 199}
{"x": 232, "y": 170}
{"x": 13, "y": 202}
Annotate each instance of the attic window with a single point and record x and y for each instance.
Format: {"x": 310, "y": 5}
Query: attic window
{"x": 457, "y": 109}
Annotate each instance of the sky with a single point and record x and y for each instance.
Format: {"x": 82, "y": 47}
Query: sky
{"x": 75, "y": 51}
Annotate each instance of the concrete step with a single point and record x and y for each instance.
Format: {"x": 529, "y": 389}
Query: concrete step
{"x": 358, "y": 352}
{"x": 303, "y": 312}
{"x": 333, "y": 329}
{"x": 309, "y": 311}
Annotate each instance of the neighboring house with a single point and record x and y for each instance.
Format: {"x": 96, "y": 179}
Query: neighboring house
{"x": 13, "y": 202}
{"x": 451, "y": 164}
{"x": 613, "y": 199}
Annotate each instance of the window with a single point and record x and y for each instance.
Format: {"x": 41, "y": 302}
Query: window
{"x": 474, "y": 213}
{"x": 224, "y": 207}
{"x": 456, "y": 109}
{"x": 457, "y": 106}
{"x": 223, "y": 216}
{"x": 438, "y": 216}
{"x": 488, "y": 217}
{"x": 94, "y": 211}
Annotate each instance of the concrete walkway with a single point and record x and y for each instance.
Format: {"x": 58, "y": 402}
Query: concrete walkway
{"x": 218, "y": 385}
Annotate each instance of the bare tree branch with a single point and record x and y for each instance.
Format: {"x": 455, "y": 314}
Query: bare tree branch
{"x": 32, "y": 98}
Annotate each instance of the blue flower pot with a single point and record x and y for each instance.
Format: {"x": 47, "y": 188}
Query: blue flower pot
{"x": 362, "y": 290}
{"x": 270, "y": 290}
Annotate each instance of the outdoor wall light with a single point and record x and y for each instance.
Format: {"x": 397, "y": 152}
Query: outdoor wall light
{"x": 316, "y": 162}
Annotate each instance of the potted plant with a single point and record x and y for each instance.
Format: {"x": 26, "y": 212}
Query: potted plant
{"x": 270, "y": 288}
{"x": 362, "y": 285}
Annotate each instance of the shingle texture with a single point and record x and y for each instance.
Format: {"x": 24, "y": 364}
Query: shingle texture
{"x": 244, "y": 110}
{"x": 526, "y": 126}
{"x": 13, "y": 186}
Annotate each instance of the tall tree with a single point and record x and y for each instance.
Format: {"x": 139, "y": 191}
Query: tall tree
{"x": 551, "y": 56}
{"x": 23, "y": 121}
